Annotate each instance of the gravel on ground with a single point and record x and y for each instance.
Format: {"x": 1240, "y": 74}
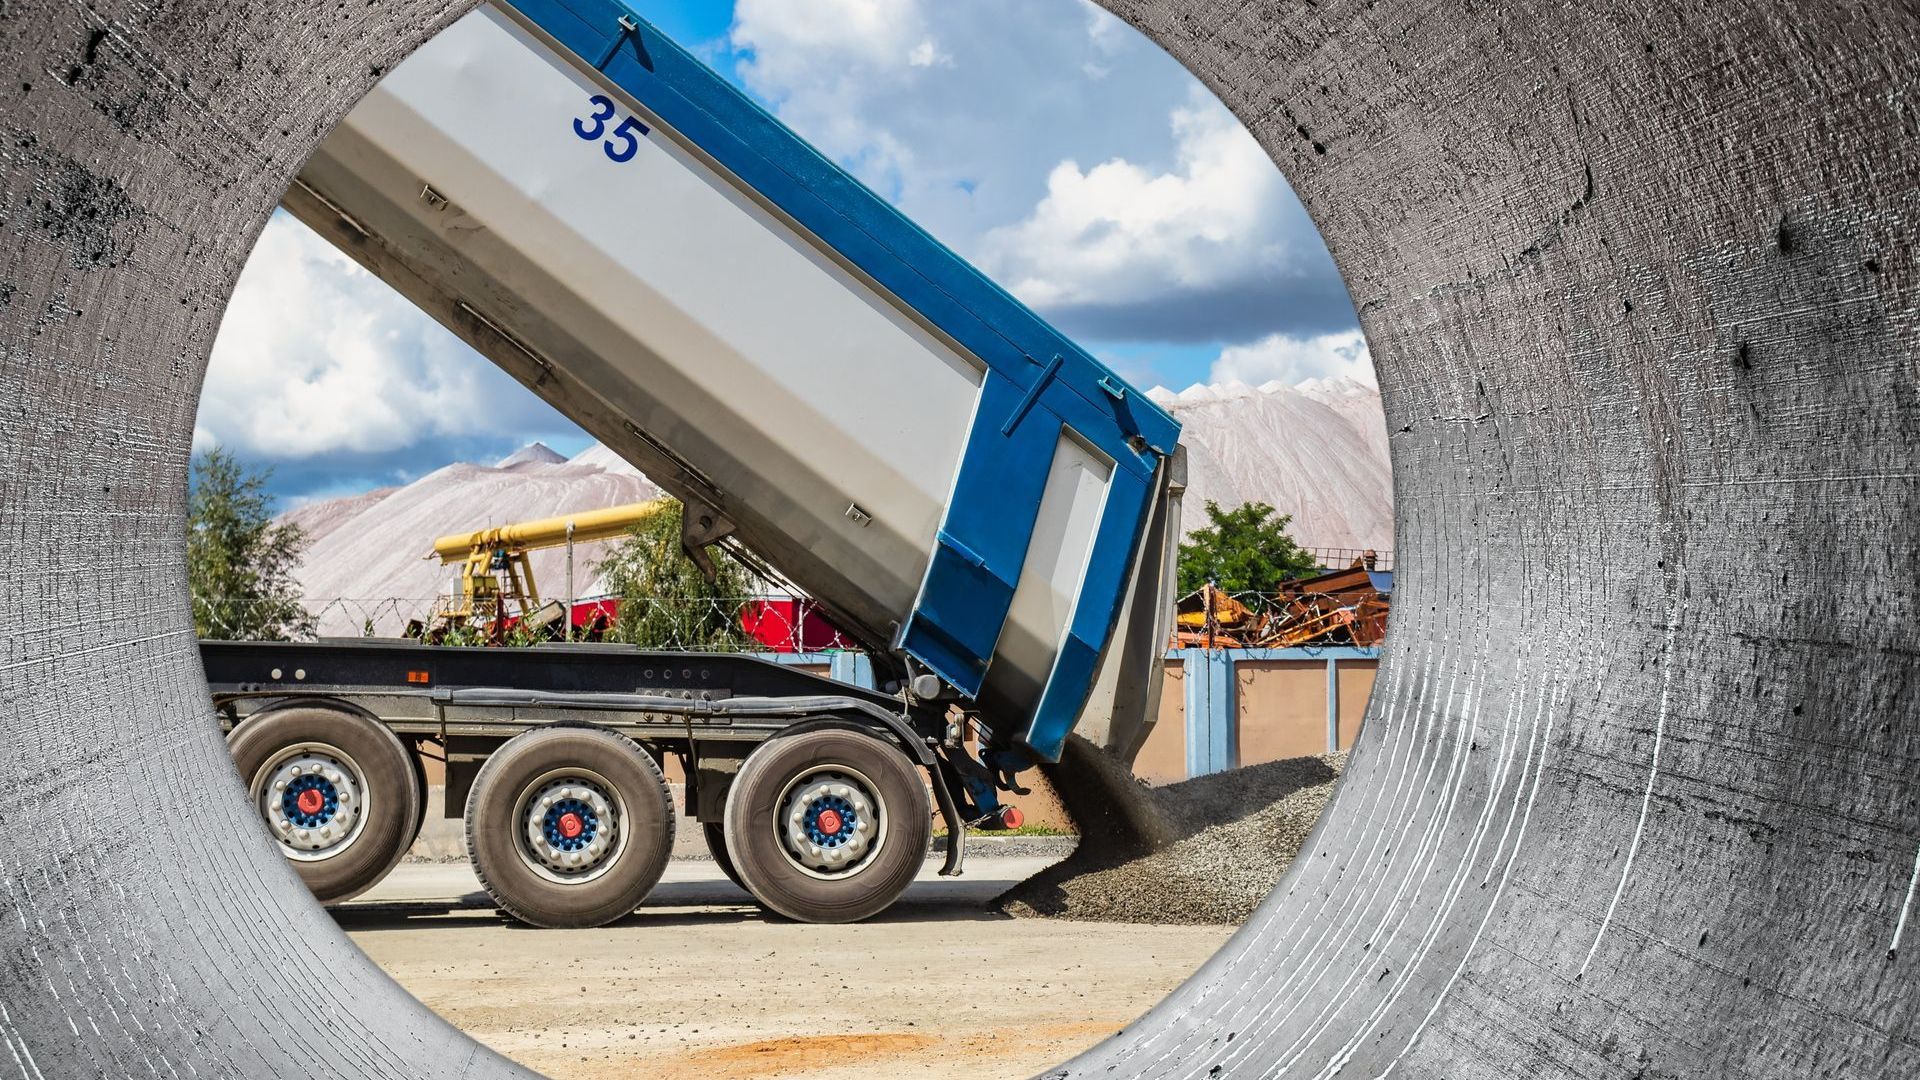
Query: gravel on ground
{"x": 1216, "y": 847}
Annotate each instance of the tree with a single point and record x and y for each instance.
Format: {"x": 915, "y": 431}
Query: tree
{"x": 239, "y": 563}
{"x": 1245, "y": 549}
{"x": 665, "y": 602}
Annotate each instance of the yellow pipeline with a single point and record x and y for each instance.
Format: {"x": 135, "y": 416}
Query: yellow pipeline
{"x": 548, "y": 532}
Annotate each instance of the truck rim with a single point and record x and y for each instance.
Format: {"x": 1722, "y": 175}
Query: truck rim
{"x": 570, "y": 826}
{"x": 314, "y": 798}
{"x": 831, "y": 821}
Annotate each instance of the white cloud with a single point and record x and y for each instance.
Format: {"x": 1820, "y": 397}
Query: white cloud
{"x": 1120, "y": 233}
{"x": 877, "y": 33}
{"x": 1296, "y": 359}
{"x": 1125, "y": 208}
{"x": 956, "y": 111}
{"x": 820, "y": 61}
{"x": 927, "y": 54}
{"x": 1107, "y": 36}
{"x": 317, "y": 356}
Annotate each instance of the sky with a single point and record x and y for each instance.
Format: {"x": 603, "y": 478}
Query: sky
{"x": 1044, "y": 140}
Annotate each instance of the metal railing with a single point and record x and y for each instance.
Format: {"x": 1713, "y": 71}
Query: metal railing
{"x": 1341, "y": 558}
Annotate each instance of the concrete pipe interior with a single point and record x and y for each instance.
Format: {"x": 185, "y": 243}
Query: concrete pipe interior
{"x": 1637, "y": 794}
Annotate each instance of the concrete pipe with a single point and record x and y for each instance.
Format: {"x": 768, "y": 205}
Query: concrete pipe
{"x": 1637, "y": 793}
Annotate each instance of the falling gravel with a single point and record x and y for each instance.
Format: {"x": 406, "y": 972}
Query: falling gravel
{"x": 1225, "y": 841}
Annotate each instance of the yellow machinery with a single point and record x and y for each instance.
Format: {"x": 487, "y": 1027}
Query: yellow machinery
{"x": 496, "y": 578}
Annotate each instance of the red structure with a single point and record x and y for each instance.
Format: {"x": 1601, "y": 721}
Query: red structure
{"x": 790, "y": 624}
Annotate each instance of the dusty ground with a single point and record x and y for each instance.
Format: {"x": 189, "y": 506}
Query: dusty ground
{"x": 698, "y": 984}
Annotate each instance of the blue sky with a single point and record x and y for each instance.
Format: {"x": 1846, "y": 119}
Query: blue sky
{"x": 1044, "y": 140}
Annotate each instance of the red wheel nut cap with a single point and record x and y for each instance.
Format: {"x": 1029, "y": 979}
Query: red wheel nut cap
{"x": 571, "y": 825}
{"x": 830, "y": 822}
{"x": 310, "y": 801}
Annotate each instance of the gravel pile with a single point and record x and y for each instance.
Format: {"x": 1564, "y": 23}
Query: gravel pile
{"x": 1223, "y": 841}
{"x": 987, "y": 845}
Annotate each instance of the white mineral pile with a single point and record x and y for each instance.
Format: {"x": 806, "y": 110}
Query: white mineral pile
{"x": 366, "y": 555}
{"x": 1317, "y": 451}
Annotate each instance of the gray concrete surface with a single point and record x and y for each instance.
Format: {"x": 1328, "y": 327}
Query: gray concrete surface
{"x": 1637, "y": 793}
{"x": 700, "y": 985}
{"x": 687, "y": 883}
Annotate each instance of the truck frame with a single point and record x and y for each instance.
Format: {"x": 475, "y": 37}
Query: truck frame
{"x": 710, "y": 710}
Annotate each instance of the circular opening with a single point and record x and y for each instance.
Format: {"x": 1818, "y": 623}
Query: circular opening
{"x": 1664, "y": 421}
{"x": 1161, "y": 239}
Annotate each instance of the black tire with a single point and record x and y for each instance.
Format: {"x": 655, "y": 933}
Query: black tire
{"x": 716, "y": 833}
{"x": 419, "y": 778}
{"x": 379, "y": 802}
{"x": 772, "y": 785}
{"x": 607, "y": 773}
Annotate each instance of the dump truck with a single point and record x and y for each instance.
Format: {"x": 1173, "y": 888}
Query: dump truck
{"x": 984, "y": 507}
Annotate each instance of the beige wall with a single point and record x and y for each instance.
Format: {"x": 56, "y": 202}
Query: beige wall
{"x": 1356, "y": 684}
{"x": 1281, "y": 706}
{"x": 1163, "y": 760}
{"x": 1282, "y": 709}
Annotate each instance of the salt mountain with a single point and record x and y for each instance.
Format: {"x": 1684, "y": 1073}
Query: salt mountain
{"x": 1317, "y": 451}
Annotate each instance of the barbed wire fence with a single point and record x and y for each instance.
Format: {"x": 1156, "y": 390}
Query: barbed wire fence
{"x": 797, "y": 624}
{"x": 702, "y": 624}
{"x": 1211, "y": 618}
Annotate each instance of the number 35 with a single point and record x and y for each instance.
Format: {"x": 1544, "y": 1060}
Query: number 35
{"x": 593, "y": 126}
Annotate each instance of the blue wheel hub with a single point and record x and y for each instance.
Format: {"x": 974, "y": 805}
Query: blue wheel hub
{"x": 830, "y": 807}
{"x": 307, "y": 816}
{"x": 555, "y": 828}
{"x": 831, "y": 821}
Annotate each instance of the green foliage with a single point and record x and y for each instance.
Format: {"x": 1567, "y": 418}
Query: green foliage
{"x": 1245, "y": 549}
{"x": 665, "y": 602}
{"x": 1024, "y": 830}
{"x": 239, "y": 563}
{"x": 457, "y": 634}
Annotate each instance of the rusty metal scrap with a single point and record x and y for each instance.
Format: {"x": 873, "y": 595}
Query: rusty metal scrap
{"x": 1343, "y": 607}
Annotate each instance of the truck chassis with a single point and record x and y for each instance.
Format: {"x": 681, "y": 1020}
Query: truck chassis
{"x": 829, "y": 833}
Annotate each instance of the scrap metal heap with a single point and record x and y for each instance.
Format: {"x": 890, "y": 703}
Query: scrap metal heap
{"x": 1341, "y": 607}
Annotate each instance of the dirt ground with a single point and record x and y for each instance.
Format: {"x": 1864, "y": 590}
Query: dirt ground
{"x": 699, "y": 984}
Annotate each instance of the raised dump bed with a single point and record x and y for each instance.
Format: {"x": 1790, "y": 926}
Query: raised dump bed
{"x": 646, "y": 249}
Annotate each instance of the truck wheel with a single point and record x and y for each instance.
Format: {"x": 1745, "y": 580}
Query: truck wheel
{"x": 338, "y": 791}
{"x": 716, "y": 833}
{"x": 569, "y": 827}
{"x": 828, "y": 825}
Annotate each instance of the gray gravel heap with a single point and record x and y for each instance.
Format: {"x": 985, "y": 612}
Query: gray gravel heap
{"x": 1231, "y": 837}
